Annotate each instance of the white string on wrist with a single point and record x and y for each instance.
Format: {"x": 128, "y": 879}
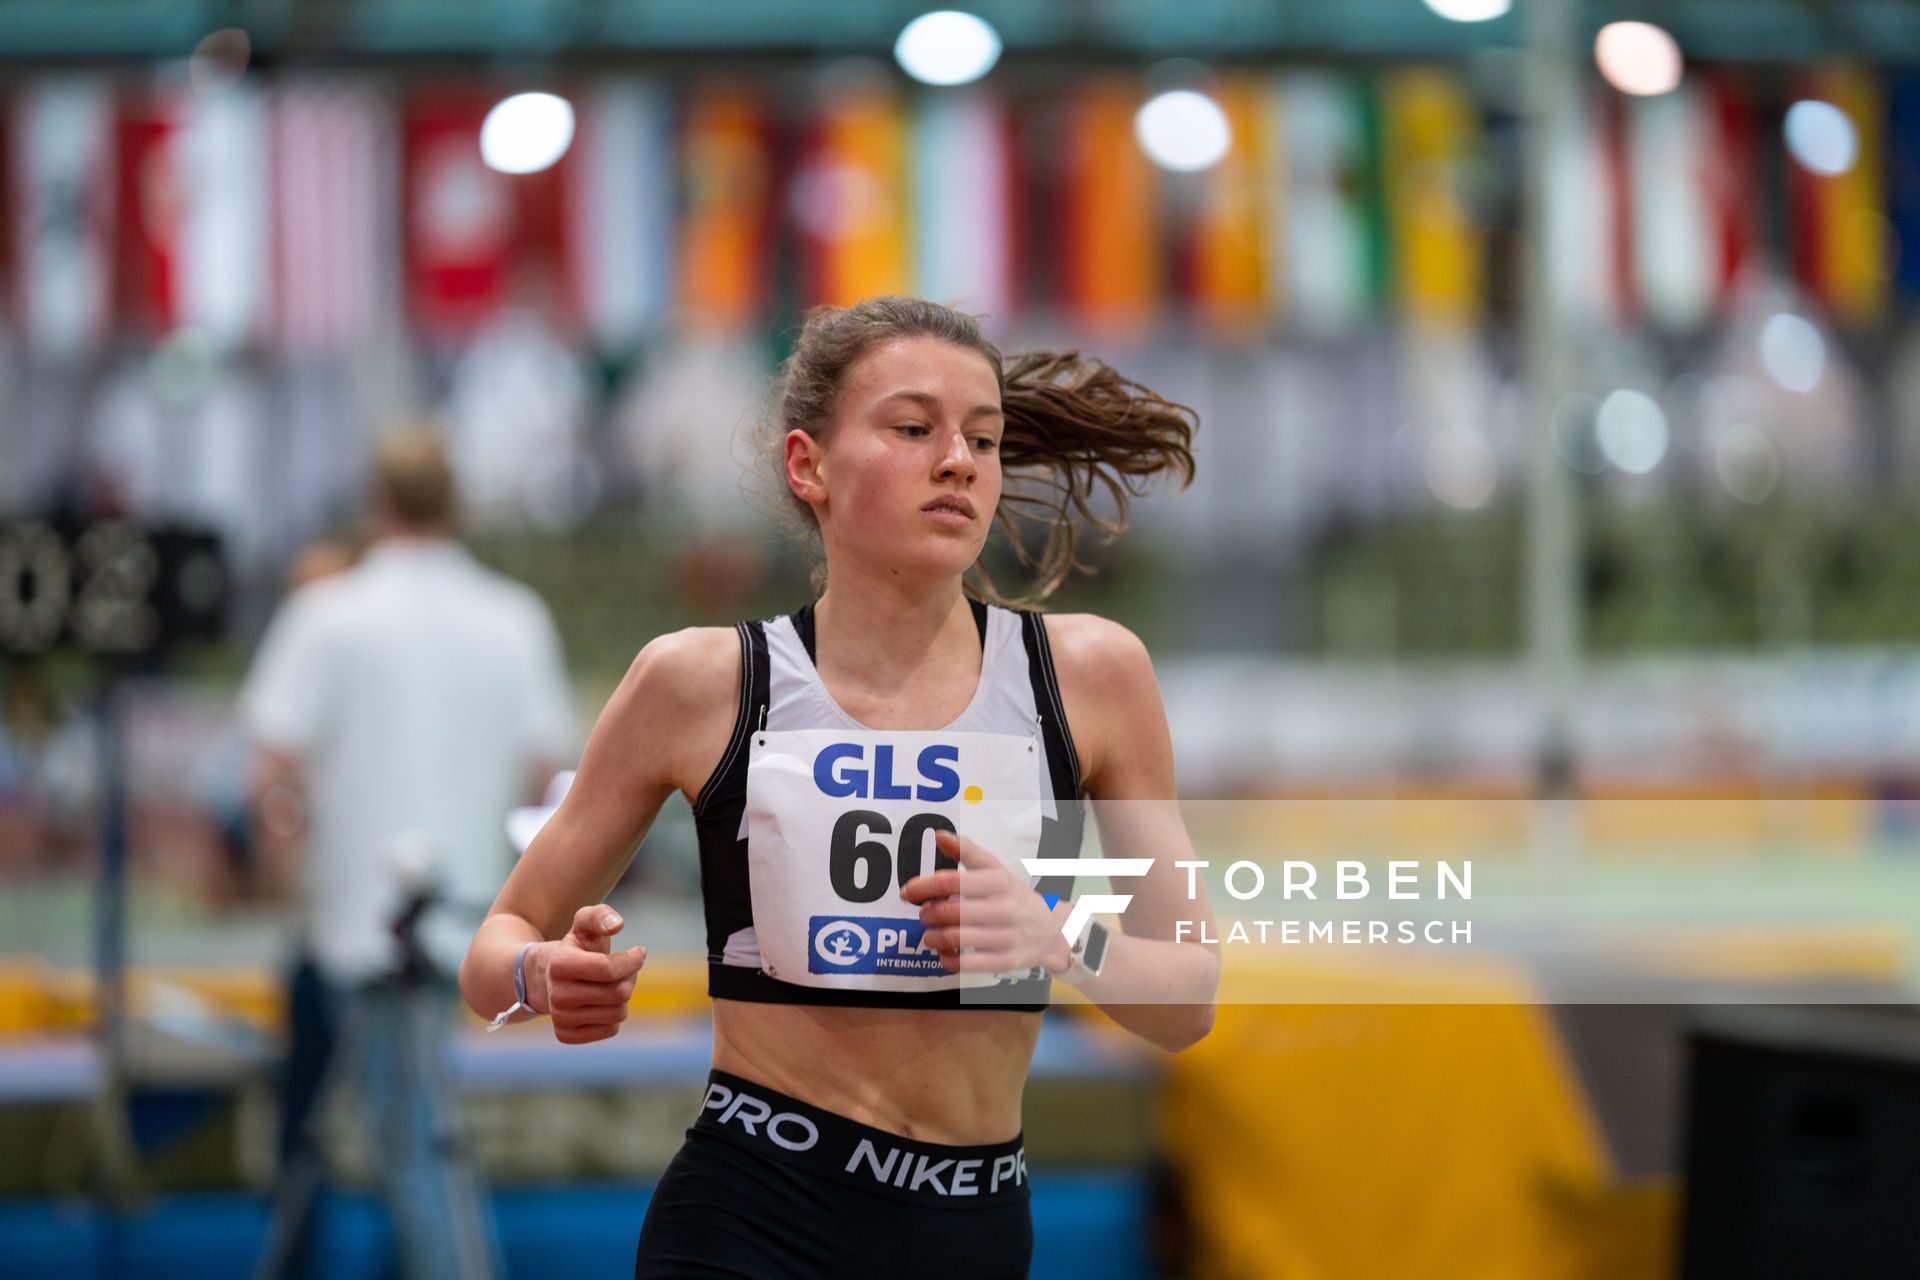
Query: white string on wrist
{"x": 519, "y": 992}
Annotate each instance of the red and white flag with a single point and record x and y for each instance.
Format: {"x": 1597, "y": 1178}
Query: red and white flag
{"x": 61, "y": 149}
{"x": 150, "y": 213}
{"x": 335, "y": 183}
{"x": 1694, "y": 193}
{"x": 476, "y": 238}
{"x": 193, "y": 213}
{"x": 459, "y": 217}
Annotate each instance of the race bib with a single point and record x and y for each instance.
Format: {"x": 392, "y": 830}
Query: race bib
{"x": 838, "y": 821}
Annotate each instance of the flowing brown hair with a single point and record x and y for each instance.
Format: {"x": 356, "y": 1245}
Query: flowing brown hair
{"x": 1076, "y": 429}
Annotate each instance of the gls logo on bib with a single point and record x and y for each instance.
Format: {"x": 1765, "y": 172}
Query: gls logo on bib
{"x": 869, "y": 944}
{"x": 850, "y": 781}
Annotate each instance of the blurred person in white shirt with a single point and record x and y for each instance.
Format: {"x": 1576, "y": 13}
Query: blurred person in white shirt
{"x": 399, "y": 710}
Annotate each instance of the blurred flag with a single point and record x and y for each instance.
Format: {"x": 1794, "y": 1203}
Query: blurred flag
{"x": 1840, "y": 250}
{"x": 849, "y": 199}
{"x": 1694, "y": 187}
{"x": 1903, "y": 178}
{"x": 459, "y": 217}
{"x": 1429, "y": 140}
{"x": 477, "y": 238}
{"x": 1231, "y": 272}
{"x": 62, "y": 187}
{"x": 193, "y": 213}
{"x": 1334, "y": 266}
{"x": 10, "y": 215}
{"x": 1732, "y": 175}
{"x": 1038, "y": 143}
{"x": 725, "y": 228}
{"x": 225, "y": 263}
{"x": 1676, "y": 265}
{"x": 1108, "y": 236}
{"x": 150, "y": 212}
{"x": 334, "y": 176}
{"x": 963, "y": 202}
{"x": 1616, "y": 186}
{"x": 620, "y": 205}
{"x": 1587, "y": 257}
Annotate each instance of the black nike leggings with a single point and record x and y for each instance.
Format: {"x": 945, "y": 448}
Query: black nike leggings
{"x": 768, "y": 1187}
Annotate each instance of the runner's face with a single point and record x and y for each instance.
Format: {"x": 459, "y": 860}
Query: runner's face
{"x": 911, "y": 469}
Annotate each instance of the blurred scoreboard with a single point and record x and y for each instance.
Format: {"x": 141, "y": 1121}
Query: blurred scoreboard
{"x": 109, "y": 588}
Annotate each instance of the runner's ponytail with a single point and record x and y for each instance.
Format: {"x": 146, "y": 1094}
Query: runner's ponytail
{"x": 1076, "y": 429}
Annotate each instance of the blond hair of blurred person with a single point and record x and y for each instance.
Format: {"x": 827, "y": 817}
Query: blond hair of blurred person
{"x": 399, "y": 710}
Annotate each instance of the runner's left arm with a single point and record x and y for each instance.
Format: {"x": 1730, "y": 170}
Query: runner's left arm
{"x": 1158, "y": 980}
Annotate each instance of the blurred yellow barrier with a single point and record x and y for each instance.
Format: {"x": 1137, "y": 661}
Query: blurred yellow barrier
{"x": 1380, "y": 1118}
{"x": 1754, "y": 953}
{"x": 1347, "y": 1142}
{"x": 37, "y": 998}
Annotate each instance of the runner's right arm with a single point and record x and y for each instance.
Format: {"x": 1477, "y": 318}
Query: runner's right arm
{"x": 662, "y": 731}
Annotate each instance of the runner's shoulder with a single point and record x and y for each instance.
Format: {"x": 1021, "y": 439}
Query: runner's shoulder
{"x": 1108, "y": 690}
{"x": 699, "y": 664}
{"x": 1095, "y": 651}
{"x": 690, "y": 670}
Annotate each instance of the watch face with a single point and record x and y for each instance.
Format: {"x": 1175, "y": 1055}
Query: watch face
{"x": 1095, "y": 954}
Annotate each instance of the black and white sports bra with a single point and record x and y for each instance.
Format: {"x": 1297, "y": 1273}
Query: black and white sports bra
{"x": 811, "y": 822}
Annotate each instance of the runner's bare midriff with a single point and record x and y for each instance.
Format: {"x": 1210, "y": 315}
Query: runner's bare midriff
{"x": 939, "y": 1075}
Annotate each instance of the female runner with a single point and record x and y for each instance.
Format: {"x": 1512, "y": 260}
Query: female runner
{"x": 873, "y": 1018}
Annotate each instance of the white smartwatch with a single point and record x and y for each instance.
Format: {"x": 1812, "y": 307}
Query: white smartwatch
{"x": 1087, "y": 956}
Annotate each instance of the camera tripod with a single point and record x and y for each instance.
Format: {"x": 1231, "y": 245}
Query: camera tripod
{"x": 391, "y": 1049}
